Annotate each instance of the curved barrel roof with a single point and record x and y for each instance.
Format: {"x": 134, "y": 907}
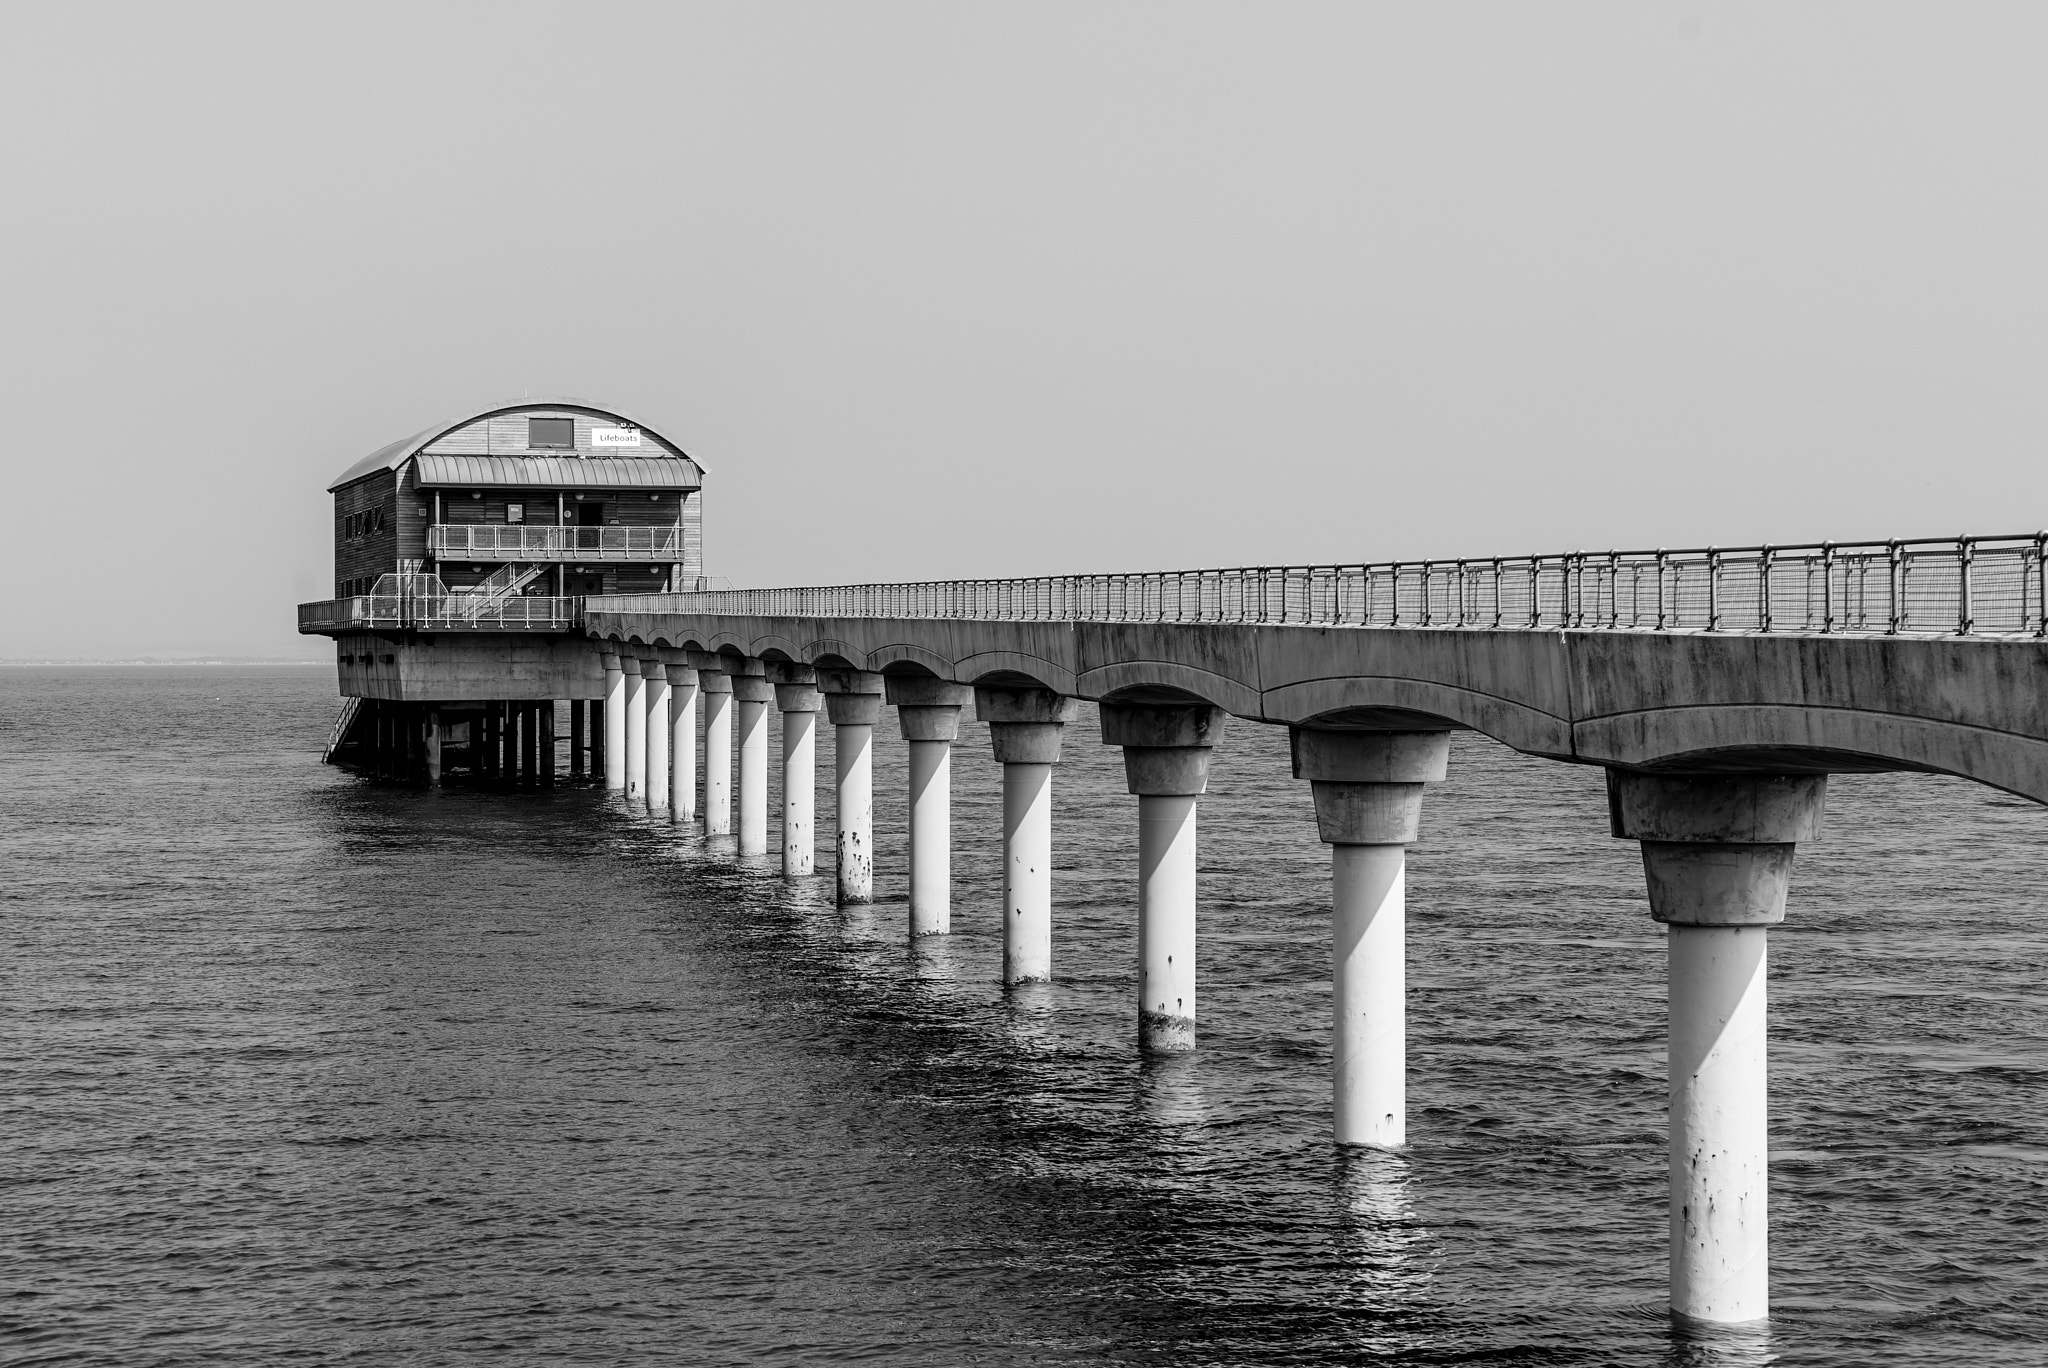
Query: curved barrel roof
{"x": 398, "y": 453}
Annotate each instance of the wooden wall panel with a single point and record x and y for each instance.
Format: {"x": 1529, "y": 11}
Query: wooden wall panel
{"x": 365, "y": 557}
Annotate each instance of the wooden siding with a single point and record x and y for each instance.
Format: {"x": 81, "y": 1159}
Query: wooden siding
{"x": 504, "y": 434}
{"x": 693, "y": 534}
{"x": 366, "y": 557}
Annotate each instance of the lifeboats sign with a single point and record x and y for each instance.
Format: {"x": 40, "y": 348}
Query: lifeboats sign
{"x": 615, "y": 437}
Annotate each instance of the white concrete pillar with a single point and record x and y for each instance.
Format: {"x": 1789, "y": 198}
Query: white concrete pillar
{"x": 1717, "y": 858}
{"x": 1025, "y": 724}
{"x": 636, "y": 729}
{"x": 658, "y": 730}
{"x": 853, "y": 703}
{"x": 1166, "y": 747}
{"x": 435, "y": 734}
{"x": 614, "y": 723}
{"x": 1368, "y": 790}
{"x": 928, "y": 710}
{"x": 682, "y": 748}
{"x": 797, "y": 697}
{"x": 751, "y": 694}
{"x": 716, "y": 685}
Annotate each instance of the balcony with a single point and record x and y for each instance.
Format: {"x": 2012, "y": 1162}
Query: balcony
{"x": 539, "y": 543}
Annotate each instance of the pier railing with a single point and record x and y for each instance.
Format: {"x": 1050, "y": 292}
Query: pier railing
{"x": 537, "y": 542}
{"x": 1960, "y": 586}
{"x": 445, "y": 612}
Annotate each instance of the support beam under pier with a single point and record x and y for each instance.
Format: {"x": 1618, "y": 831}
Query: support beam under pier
{"x": 1368, "y": 789}
{"x": 1166, "y": 748}
{"x": 853, "y": 704}
{"x": 716, "y": 685}
{"x": 798, "y": 700}
{"x": 1025, "y": 724}
{"x": 928, "y": 710}
{"x": 1717, "y": 857}
{"x": 614, "y": 732}
{"x": 751, "y": 696}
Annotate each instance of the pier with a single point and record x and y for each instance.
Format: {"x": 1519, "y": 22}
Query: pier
{"x": 1717, "y": 688}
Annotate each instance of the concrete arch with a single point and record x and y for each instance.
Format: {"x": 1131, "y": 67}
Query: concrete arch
{"x": 1232, "y": 695}
{"x": 902, "y": 653}
{"x": 1816, "y": 740}
{"x": 1514, "y": 724}
{"x": 1049, "y": 673}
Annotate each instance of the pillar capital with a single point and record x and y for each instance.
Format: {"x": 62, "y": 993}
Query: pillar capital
{"x": 1025, "y": 704}
{"x": 1367, "y": 814}
{"x": 703, "y": 660}
{"x": 795, "y": 698}
{"x": 853, "y": 709}
{"x": 1717, "y": 848}
{"x": 608, "y": 660}
{"x": 714, "y": 681}
{"x": 751, "y": 688}
{"x": 1026, "y": 743}
{"x": 655, "y": 669}
{"x": 1370, "y": 757}
{"x": 925, "y": 691}
{"x": 629, "y": 664}
{"x": 834, "y": 679}
{"x": 742, "y": 667}
{"x": 929, "y": 724}
{"x": 789, "y": 672}
{"x": 1167, "y": 771}
{"x": 1161, "y": 725}
{"x": 1738, "y": 809}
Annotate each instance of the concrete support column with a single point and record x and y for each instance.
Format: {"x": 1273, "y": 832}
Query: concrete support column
{"x": 575, "y": 738}
{"x": 716, "y": 685}
{"x": 614, "y": 723}
{"x": 853, "y": 704}
{"x": 751, "y": 694}
{"x": 435, "y": 734}
{"x": 1717, "y": 857}
{"x": 928, "y": 710}
{"x": 635, "y": 728}
{"x": 658, "y": 730}
{"x": 1166, "y": 764}
{"x": 682, "y": 745}
{"x": 798, "y": 699}
{"x": 1368, "y": 790}
{"x": 1025, "y": 724}
{"x": 546, "y": 716}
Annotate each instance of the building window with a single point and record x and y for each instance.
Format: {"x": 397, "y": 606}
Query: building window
{"x": 515, "y": 512}
{"x": 551, "y": 432}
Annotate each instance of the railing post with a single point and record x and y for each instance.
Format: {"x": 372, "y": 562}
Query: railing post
{"x": 1660, "y": 588}
{"x": 1827, "y": 587}
{"x": 1966, "y": 556}
{"x": 1496, "y": 593}
{"x": 1535, "y": 593}
{"x": 1428, "y": 575}
{"x": 1460, "y": 622}
{"x": 1713, "y": 590}
{"x": 1764, "y": 590}
{"x": 2041, "y": 581}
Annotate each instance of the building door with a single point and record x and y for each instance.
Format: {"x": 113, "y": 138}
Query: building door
{"x": 589, "y": 519}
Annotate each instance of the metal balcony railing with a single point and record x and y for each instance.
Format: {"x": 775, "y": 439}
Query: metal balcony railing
{"x": 448, "y": 612}
{"x": 1958, "y": 586}
{"x": 530, "y": 542}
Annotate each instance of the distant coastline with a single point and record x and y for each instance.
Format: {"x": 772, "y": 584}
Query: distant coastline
{"x": 30, "y": 662}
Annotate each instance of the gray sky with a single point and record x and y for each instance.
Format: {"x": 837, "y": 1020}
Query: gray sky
{"x": 957, "y": 289}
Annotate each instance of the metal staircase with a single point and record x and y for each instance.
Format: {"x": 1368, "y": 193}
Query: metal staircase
{"x": 504, "y": 583}
{"x": 351, "y": 708}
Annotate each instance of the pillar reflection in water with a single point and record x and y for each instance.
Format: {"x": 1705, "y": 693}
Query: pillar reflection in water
{"x": 1389, "y": 1254}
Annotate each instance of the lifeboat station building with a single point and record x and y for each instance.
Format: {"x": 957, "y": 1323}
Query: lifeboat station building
{"x": 462, "y": 555}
